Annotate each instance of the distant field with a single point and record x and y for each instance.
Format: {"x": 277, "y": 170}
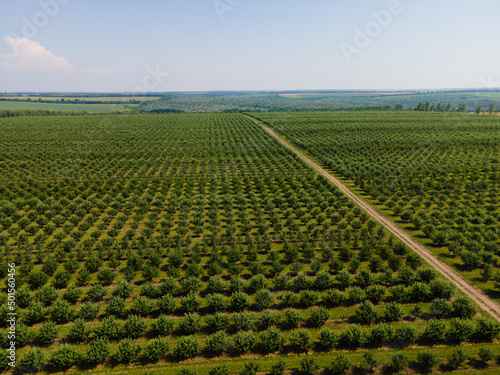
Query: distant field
{"x": 91, "y": 108}
{"x": 96, "y": 98}
{"x": 326, "y": 94}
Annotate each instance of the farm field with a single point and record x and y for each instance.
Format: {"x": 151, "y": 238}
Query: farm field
{"x": 435, "y": 174}
{"x": 90, "y": 108}
{"x": 188, "y": 241}
{"x": 82, "y": 98}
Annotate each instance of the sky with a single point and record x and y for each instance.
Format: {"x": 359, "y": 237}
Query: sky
{"x": 207, "y": 45}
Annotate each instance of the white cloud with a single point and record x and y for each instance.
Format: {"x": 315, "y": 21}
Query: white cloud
{"x": 30, "y": 55}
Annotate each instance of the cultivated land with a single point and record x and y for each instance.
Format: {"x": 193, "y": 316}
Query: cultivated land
{"x": 82, "y": 98}
{"x": 436, "y": 175}
{"x": 90, "y": 108}
{"x": 196, "y": 240}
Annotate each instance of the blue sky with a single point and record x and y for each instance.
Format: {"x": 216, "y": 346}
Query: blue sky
{"x": 197, "y": 45}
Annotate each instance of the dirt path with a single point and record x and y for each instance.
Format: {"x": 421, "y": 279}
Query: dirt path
{"x": 482, "y": 300}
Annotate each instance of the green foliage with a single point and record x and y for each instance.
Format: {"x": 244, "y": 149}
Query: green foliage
{"x": 308, "y": 364}
{"x": 47, "y": 333}
{"x": 155, "y": 349}
{"x": 399, "y": 361}
{"x": 219, "y": 370}
{"x": 126, "y": 351}
{"x": 64, "y": 357}
{"x": 366, "y": 313}
{"x": 187, "y": 347}
{"x": 79, "y": 330}
{"x": 427, "y": 358}
{"x": 250, "y": 368}
{"x": 217, "y": 343}
{"x": 318, "y": 316}
{"x": 243, "y": 341}
{"x": 189, "y": 324}
{"x": 97, "y": 351}
{"x": 457, "y": 358}
{"x": 341, "y": 364}
{"x": 33, "y": 360}
{"x": 271, "y": 340}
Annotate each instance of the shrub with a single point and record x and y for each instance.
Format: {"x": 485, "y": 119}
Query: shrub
{"x": 61, "y": 279}
{"x": 72, "y": 294}
{"x": 487, "y": 328}
{"x": 376, "y": 293}
{"x": 79, "y": 330}
{"x": 264, "y": 299}
{"x": 217, "y": 343}
{"x": 406, "y": 334}
{"x": 142, "y": 306}
{"x": 35, "y": 313}
{"x": 243, "y": 341}
{"x": 345, "y": 279}
{"x": 427, "y": 358}
{"x": 393, "y": 311}
{"x": 190, "y": 324}
{"x": 251, "y": 368}
{"x": 217, "y": 302}
{"x": 369, "y": 362}
{"x": 96, "y": 292}
{"x": 187, "y": 347}
{"x": 47, "y": 295}
{"x": 257, "y": 283}
{"x": 440, "y": 288}
{"x": 457, "y": 358}
{"x": 380, "y": 334}
{"x": 293, "y": 317}
{"x": 219, "y": 370}
{"x": 115, "y": 306}
{"x": 123, "y": 290}
{"x": 485, "y": 354}
{"x": 301, "y": 339}
{"x": 272, "y": 340}
{"x": 366, "y": 313}
{"x": 334, "y": 297}
{"x": 23, "y": 334}
{"x": 308, "y": 298}
{"x": 126, "y": 351}
{"x": 356, "y": 294}
{"x": 278, "y": 368}
{"x": 155, "y": 349}
{"x": 460, "y": 329}
{"x": 190, "y": 303}
{"x": 318, "y": 316}
{"x": 308, "y": 364}
{"x": 353, "y": 336}
{"x": 399, "y": 361}
{"x": 106, "y": 276}
{"x": 47, "y": 333}
{"x": 32, "y": 361}
{"x": 162, "y": 326}
{"x": 440, "y": 308}
{"x": 435, "y": 330}
{"x": 328, "y": 339}
{"x": 108, "y": 329}
{"x": 61, "y": 312}
{"x": 216, "y": 322}
{"x": 341, "y": 364}
{"x": 64, "y": 357}
{"x": 243, "y": 320}
{"x": 166, "y": 304}
{"x": 240, "y": 301}
{"x": 463, "y": 307}
{"x": 134, "y": 327}
{"x": 37, "y": 279}
{"x": 190, "y": 284}
{"x": 97, "y": 351}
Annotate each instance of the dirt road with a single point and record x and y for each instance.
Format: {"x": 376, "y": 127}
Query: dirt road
{"x": 482, "y": 300}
